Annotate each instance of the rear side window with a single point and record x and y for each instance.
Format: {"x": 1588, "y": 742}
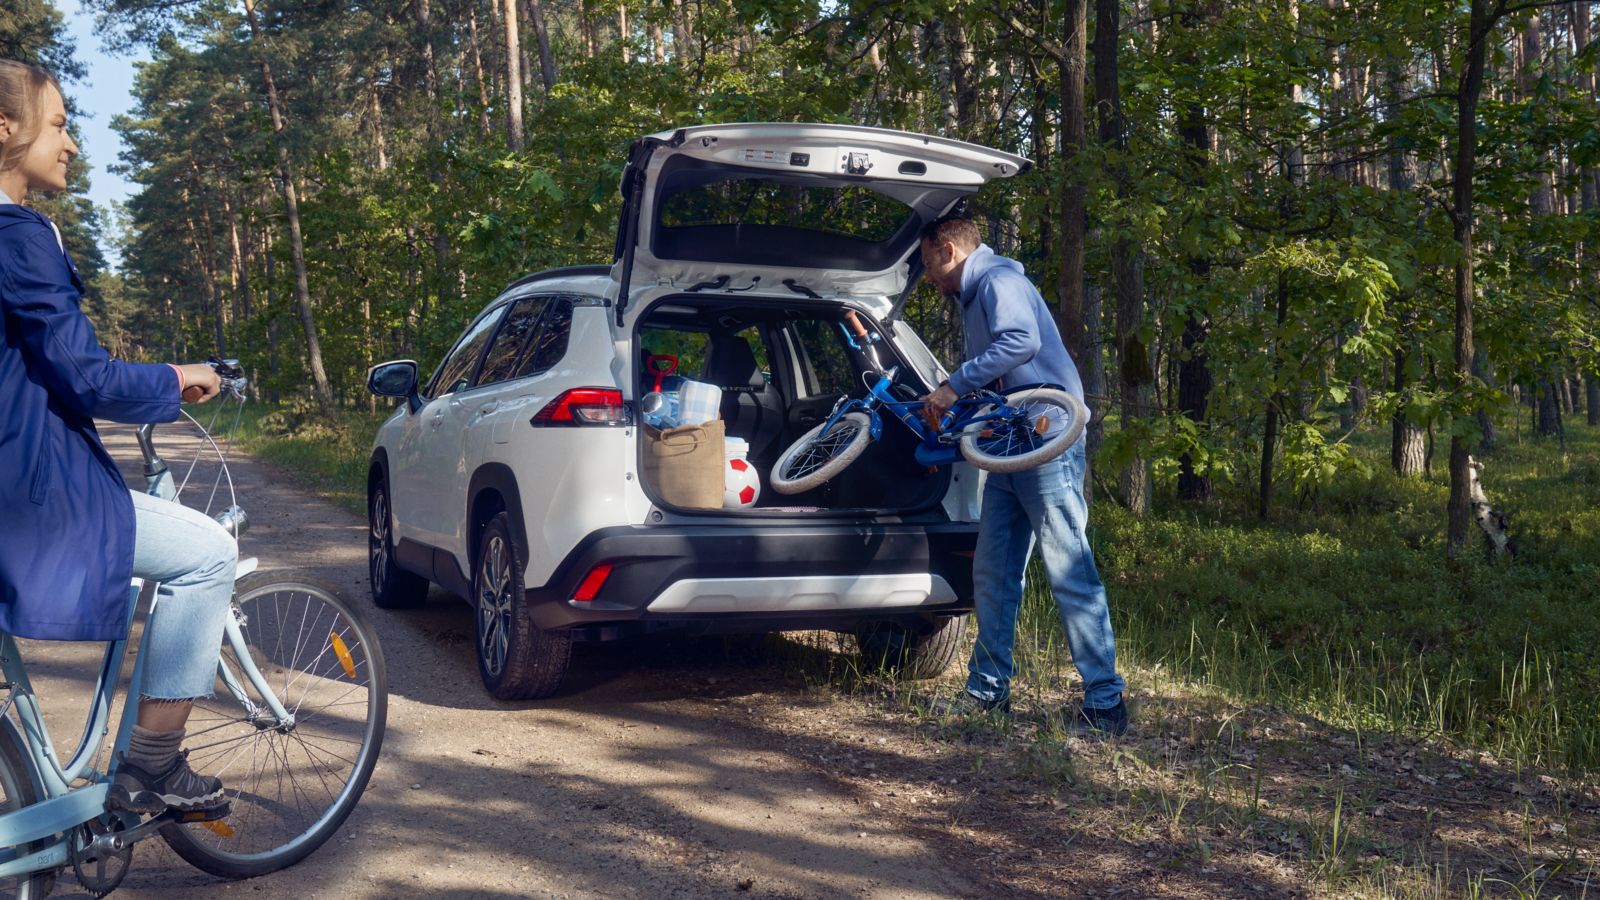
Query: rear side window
{"x": 455, "y": 373}
{"x": 509, "y": 341}
{"x": 689, "y": 347}
{"x": 828, "y": 372}
{"x": 550, "y": 344}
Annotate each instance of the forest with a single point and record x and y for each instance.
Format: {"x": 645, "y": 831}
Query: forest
{"x": 1313, "y": 259}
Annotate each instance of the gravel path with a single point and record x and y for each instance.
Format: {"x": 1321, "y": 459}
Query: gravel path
{"x": 654, "y": 774}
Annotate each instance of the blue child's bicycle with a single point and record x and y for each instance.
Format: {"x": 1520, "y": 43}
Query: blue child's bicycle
{"x": 1020, "y": 429}
{"x": 293, "y": 731}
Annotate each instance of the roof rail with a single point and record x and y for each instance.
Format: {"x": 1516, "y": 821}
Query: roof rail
{"x": 560, "y": 272}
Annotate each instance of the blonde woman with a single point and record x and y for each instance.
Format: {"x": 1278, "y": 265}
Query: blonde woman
{"x": 71, "y": 532}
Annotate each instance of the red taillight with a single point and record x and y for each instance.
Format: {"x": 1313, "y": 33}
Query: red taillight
{"x": 585, "y": 406}
{"x": 592, "y": 582}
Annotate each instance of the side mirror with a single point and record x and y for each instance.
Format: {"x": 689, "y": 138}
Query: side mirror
{"x": 395, "y": 379}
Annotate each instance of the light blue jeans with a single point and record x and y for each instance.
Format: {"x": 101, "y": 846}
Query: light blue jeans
{"x": 1047, "y": 503}
{"x": 194, "y": 559}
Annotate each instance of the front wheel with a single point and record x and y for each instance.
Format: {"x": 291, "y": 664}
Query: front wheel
{"x": 817, "y": 457}
{"x": 289, "y": 785}
{"x": 1047, "y": 421}
{"x": 392, "y": 586}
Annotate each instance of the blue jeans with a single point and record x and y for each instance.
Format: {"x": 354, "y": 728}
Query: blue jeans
{"x": 1046, "y": 502}
{"x": 194, "y": 559}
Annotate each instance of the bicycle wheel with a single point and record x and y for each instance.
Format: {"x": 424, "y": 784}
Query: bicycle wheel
{"x": 817, "y": 457}
{"x": 1019, "y": 442}
{"x": 289, "y": 788}
{"x": 17, "y": 791}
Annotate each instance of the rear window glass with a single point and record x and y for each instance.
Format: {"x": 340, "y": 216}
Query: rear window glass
{"x": 547, "y": 349}
{"x": 847, "y": 211}
{"x": 498, "y": 363}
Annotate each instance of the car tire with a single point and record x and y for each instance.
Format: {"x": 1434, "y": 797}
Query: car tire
{"x": 392, "y": 586}
{"x": 910, "y": 654}
{"x": 516, "y": 659}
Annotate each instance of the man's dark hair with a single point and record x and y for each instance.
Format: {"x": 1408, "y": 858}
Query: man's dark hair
{"x": 953, "y": 229}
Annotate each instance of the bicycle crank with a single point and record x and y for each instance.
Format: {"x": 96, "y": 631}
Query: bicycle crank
{"x": 101, "y": 856}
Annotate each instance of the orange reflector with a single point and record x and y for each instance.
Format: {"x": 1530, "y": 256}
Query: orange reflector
{"x": 343, "y": 652}
{"x": 1041, "y": 426}
{"x": 223, "y": 829}
{"x": 592, "y": 582}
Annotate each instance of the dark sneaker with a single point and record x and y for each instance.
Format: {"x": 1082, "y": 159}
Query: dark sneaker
{"x": 137, "y": 790}
{"x": 964, "y": 703}
{"x": 1109, "y": 722}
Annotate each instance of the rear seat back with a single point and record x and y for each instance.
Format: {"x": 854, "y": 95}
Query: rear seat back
{"x": 751, "y": 409}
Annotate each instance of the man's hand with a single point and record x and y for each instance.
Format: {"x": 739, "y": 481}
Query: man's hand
{"x": 936, "y": 404}
{"x": 200, "y": 383}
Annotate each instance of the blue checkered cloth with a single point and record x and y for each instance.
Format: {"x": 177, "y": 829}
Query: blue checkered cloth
{"x": 698, "y": 403}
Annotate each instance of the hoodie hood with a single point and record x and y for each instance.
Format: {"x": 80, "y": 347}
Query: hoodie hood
{"x": 978, "y": 263}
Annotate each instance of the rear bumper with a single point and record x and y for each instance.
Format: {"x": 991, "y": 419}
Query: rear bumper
{"x": 750, "y": 578}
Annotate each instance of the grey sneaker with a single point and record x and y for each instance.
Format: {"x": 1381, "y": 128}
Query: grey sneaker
{"x": 964, "y": 703}
{"x": 137, "y": 790}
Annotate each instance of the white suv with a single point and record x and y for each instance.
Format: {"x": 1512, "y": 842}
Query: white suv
{"x": 514, "y": 477}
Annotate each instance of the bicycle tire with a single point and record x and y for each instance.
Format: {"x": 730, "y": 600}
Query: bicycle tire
{"x": 978, "y": 442}
{"x": 309, "y": 685}
{"x": 796, "y": 472}
{"x": 17, "y": 791}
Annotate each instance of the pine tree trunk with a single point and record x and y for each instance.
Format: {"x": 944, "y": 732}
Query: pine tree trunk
{"x": 1194, "y": 370}
{"x": 1549, "y": 422}
{"x": 379, "y": 140}
{"x": 323, "y": 392}
{"x": 1069, "y": 289}
{"x": 547, "y": 63}
{"x": 477, "y": 70}
{"x": 1134, "y": 374}
{"x": 1489, "y": 435}
{"x": 1459, "y": 511}
{"x": 1406, "y": 449}
{"x": 513, "y": 78}
{"x": 440, "y": 238}
{"x": 623, "y": 33}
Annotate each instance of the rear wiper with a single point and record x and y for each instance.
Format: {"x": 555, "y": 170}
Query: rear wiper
{"x": 719, "y": 282}
{"x": 801, "y": 289}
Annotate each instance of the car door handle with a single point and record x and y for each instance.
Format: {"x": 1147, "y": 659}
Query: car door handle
{"x": 438, "y": 418}
{"x": 489, "y": 407}
{"x": 809, "y": 418}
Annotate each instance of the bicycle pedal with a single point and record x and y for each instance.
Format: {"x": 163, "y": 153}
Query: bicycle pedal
{"x": 195, "y": 816}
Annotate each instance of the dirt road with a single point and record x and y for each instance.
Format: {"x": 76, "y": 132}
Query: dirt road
{"x": 659, "y": 772}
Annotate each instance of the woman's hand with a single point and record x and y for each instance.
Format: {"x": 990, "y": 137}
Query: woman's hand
{"x": 200, "y": 382}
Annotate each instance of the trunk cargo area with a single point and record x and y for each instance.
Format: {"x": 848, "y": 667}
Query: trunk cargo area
{"x": 781, "y": 365}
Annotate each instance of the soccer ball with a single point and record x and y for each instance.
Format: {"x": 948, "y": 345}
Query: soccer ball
{"x": 741, "y": 485}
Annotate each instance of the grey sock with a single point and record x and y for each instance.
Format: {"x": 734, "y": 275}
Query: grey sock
{"x": 153, "y": 751}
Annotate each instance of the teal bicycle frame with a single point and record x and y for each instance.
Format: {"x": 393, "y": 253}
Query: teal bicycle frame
{"x": 60, "y": 808}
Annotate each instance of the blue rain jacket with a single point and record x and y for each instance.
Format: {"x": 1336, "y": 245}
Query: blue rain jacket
{"x": 66, "y": 520}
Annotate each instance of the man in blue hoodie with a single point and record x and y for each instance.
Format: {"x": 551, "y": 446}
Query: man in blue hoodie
{"x": 1012, "y": 340}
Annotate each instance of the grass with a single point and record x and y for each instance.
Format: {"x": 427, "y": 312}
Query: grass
{"x": 1348, "y": 608}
